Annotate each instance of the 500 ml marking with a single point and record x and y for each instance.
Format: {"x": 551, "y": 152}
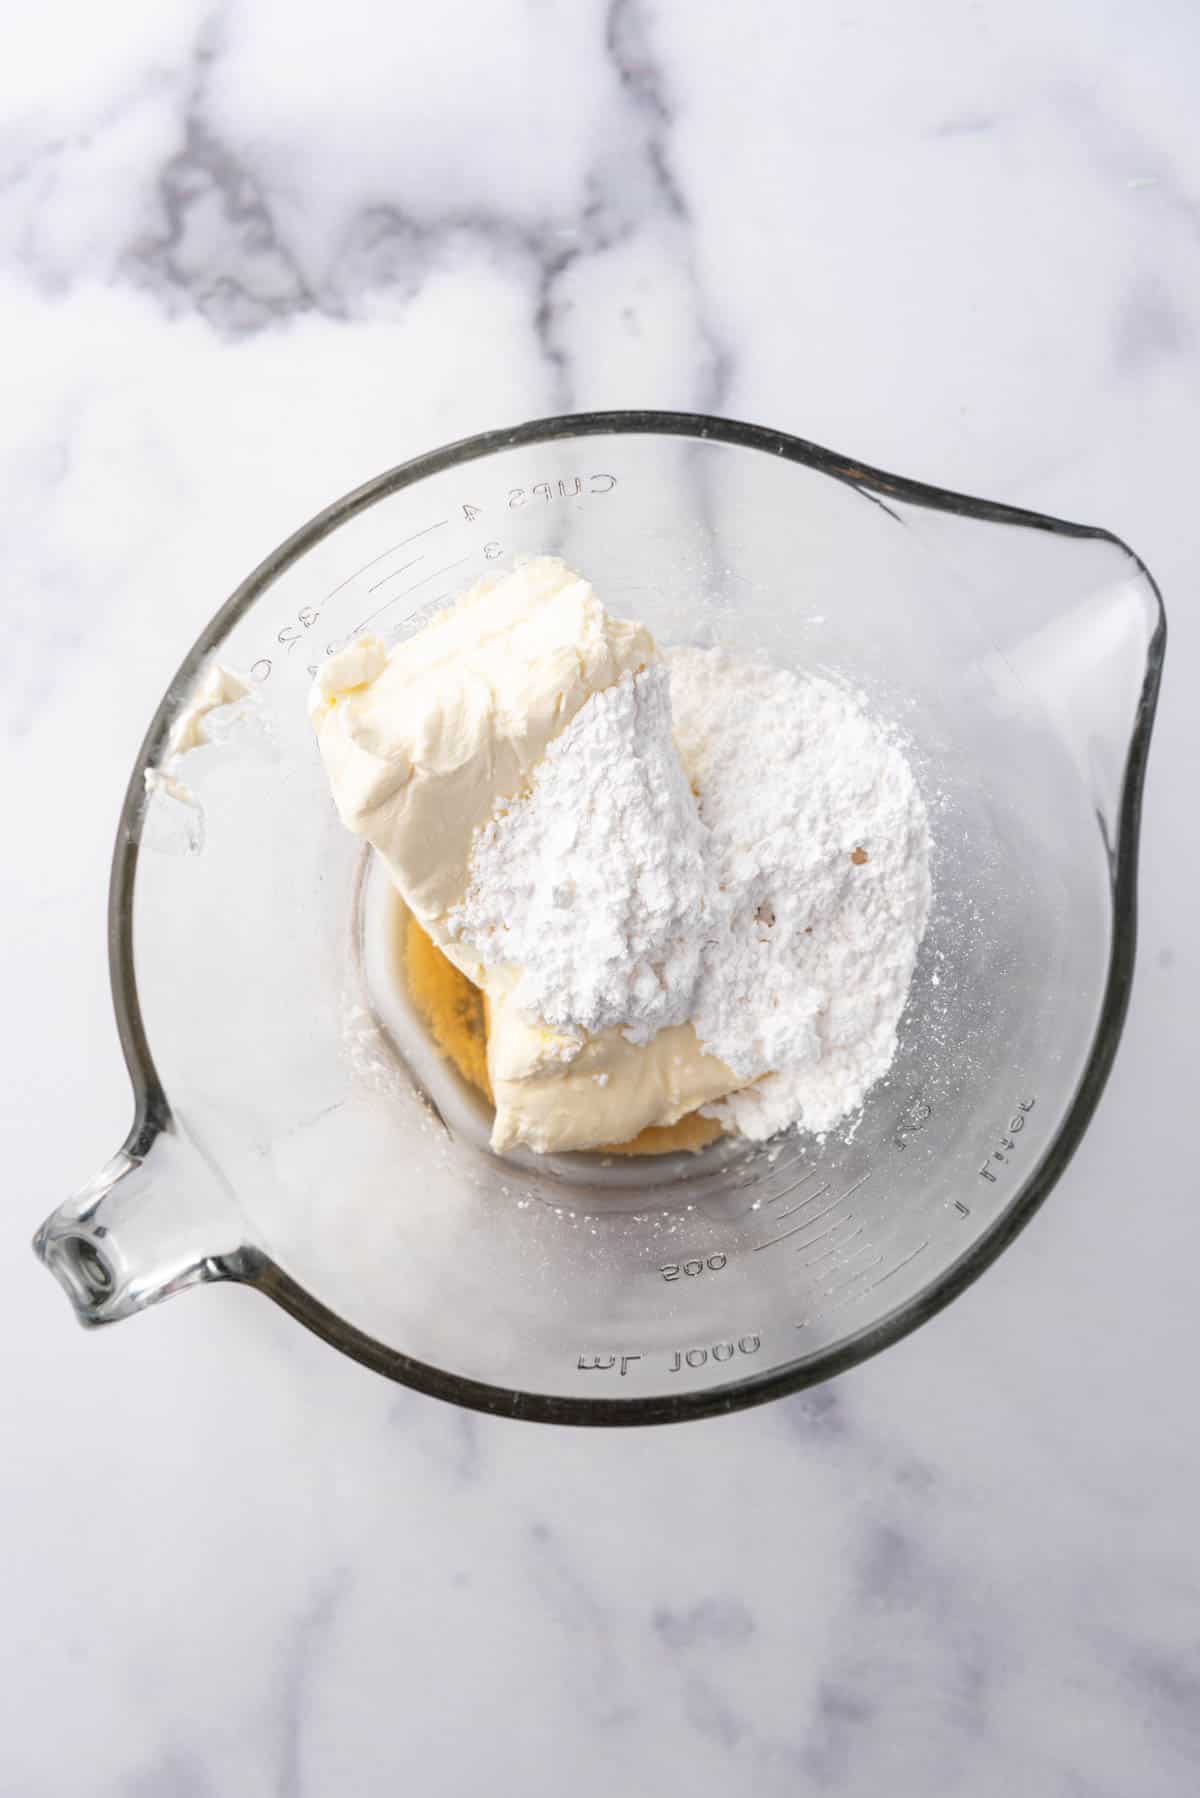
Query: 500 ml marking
{"x": 673, "y": 1269}
{"x": 681, "y": 1358}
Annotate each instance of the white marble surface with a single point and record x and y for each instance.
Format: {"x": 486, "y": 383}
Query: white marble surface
{"x": 249, "y": 256}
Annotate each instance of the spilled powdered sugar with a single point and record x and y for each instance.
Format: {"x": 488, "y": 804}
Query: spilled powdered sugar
{"x": 718, "y": 841}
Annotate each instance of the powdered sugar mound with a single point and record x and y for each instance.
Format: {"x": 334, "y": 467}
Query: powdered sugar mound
{"x": 595, "y": 883}
{"x": 819, "y": 850}
{"x": 780, "y": 915}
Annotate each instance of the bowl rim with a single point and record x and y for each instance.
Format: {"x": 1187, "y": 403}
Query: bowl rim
{"x": 251, "y": 1266}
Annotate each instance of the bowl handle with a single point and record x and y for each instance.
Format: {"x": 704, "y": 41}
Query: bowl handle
{"x": 143, "y": 1228}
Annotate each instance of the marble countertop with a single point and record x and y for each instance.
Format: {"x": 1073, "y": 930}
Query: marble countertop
{"x": 251, "y": 255}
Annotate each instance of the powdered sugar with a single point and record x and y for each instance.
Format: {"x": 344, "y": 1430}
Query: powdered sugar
{"x": 819, "y": 847}
{"x": 595, "y": 884}
{"x": 780, "y": 911}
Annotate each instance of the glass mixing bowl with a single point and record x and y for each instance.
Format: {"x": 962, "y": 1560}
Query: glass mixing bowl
{"x": 295, "y": 1131}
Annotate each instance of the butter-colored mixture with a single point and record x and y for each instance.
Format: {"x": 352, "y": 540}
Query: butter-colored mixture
{"x": 420, "y": 744}
{"x": 455, "y": 1012}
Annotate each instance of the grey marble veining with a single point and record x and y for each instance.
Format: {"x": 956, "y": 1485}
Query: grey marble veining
{"x": 250, "y": 256}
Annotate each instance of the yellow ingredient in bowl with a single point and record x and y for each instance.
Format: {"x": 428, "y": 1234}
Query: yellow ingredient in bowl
{"x": 692, "y": 1132}
{"x": 455, "y": 1014}
{"x": 451, "y": 1006}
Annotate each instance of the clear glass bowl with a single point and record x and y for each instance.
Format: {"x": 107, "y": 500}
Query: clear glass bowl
{"x": 293, "y": 1131}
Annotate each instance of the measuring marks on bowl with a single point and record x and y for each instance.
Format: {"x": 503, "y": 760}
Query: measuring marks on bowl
{"x": 839, "y": 1261}
{"x": 805, "y": 1205}
{"x": 480, "y": 525}
{"x": 355, "y": 587}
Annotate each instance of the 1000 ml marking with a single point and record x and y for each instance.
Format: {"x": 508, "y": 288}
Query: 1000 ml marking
{"x": 719, "y": 1352}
